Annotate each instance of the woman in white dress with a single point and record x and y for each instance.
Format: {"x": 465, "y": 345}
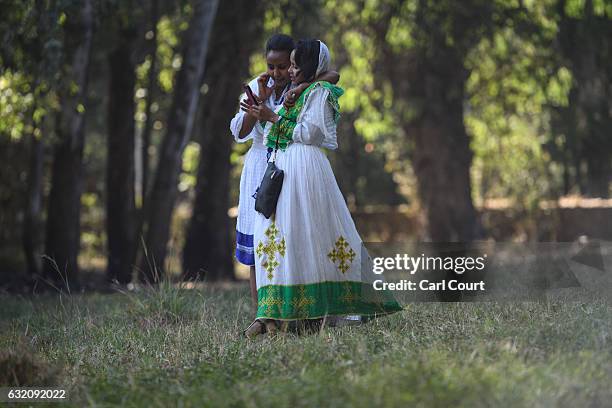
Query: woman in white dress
{"x": 271, "y": 87}
{"x": 310, "y": 261}
{"x": 245, "y": 127}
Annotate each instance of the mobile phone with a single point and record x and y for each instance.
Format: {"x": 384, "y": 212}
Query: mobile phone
{"x": 250, "y": 95}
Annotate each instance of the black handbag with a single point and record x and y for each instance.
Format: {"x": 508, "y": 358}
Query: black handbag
{"x": 268, "y": 191}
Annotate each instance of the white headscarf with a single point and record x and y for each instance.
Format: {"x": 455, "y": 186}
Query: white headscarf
{"x": 324, "y": 59}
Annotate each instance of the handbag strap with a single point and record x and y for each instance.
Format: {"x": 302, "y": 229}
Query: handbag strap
{"x": 275, "y": 148}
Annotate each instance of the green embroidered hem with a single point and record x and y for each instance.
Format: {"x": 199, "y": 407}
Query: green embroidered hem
{"x": 310, "y": 301}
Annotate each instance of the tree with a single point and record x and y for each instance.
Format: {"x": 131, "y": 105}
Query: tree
{"x": 63, "y": 212}
{"x": 429, "y": 95}
{"x": 32, "y": 222}
{"x": 151, "y": 92}
{"x": 180, "y": 122}
{"x": 586, "y": 49}
{"x": 417, "y": 51}
{"x": 29, "y": 54}
{"x": 121, "y": 220}
{"x": 236, "y": 34}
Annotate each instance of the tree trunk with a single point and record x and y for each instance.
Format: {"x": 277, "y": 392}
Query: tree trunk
{"x": 429, "y": 94}
{"x": 32, "y": 223}
{"x": 120, "y": 205}
{"x": 599, "y": 171}
{"x": 151, "y": 91}
{"x": 589, "y": 119}
{"x": 208, "y": 249}
{"x": 64, "y": 206}
{"x": 442, "y": 157}
{"x": 441, "y": 154}
{"x": 347, "y": 159}
{"x": 180, "y": 122}
{"x": 33, "y": 227}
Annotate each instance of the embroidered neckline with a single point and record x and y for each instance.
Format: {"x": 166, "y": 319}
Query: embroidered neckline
{"x": 283, "y": 129}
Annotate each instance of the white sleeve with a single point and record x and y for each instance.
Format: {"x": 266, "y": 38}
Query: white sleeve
{"x": 315, "y": 124}
{"x": 238, "y": 119}
{"x": 236, "y": 125}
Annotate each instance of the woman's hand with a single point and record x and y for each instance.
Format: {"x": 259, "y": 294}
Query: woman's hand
{"x": 261, "y": 112}
{"x": 247, "y": 102}
{"x": 262, "y": 83}
{"x": 294, "y": 94}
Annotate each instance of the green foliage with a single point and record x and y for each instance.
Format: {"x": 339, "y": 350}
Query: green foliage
{"x": 513, "y": 79}
{"x": 510, "y": 87}
{"x": 16, "y": 101}
{"x": 191, "y": 158}
{"x": 576, "y": 8}
{"x": 170, "y": 29}
{"x": 30, "y": 53}
{"x": 168, "y": 52}
{"x": 366, "y": 101}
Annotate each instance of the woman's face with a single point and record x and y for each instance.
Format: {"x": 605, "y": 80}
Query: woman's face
{"x": 295, "y": 73}
{"x": 278, "y": 67}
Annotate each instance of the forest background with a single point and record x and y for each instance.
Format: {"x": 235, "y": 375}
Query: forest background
{"x": 461, "y": 121}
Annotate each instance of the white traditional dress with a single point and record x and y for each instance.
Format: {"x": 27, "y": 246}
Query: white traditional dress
{"x": 310, "y": 261}
{"x": 254, "y": 167}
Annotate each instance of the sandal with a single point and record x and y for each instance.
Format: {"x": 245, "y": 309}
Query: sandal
{"x": 271, "y": 326}
{"x": 256, "y": 328}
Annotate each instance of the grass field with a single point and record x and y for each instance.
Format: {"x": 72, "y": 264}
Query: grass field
{"x": 173, "y": 347}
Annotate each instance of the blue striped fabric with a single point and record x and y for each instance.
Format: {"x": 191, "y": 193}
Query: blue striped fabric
{"x": 244, "y": 249}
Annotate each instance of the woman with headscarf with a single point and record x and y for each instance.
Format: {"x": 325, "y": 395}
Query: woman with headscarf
{"x": 271, "y": 88}
{"x": 309, "y": 259}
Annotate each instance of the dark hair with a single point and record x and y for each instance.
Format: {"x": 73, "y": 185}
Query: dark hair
{"x": 307, "y": 57}
{"x": 280, "y": 42}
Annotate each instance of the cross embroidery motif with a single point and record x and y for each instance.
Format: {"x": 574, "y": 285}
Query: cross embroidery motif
{"x": 270, "y": 249}
{"x": 341, "y": 255}
{"x": 301, "y": 304}
{"x": 271, "y": 302}
{"x": 348, "y": 296}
